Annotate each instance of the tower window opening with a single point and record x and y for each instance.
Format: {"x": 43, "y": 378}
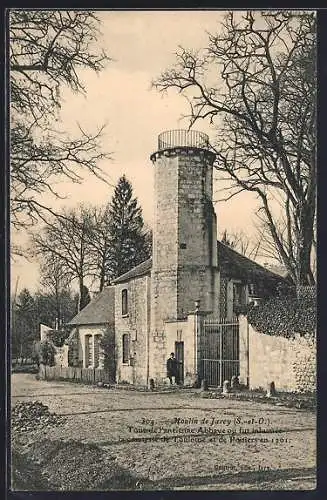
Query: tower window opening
{"x": 124, "y": 302}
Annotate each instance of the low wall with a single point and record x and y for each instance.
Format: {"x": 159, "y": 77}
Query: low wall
{"x": 289, "y": 363}
{"x": 74, "y": 374}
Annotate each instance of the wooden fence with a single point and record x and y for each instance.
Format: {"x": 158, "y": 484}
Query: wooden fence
{"x": 74, "y": 374}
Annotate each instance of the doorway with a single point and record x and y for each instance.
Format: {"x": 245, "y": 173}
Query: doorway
{"x": 179, "y": 353}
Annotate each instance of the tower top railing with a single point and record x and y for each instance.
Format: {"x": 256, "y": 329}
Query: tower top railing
{"x": 183, "y": 138}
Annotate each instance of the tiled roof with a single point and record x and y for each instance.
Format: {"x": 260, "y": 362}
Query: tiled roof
{"x": 101, "y": 310}
{"x": 140, "y": 270}
{"x": 230, "y": 262}
{"x": 235, "y": 265}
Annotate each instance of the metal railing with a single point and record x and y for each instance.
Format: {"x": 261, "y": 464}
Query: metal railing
{"x": 216, "y": 371}
{"x": 219, "y": 350}
{"x": 183, "y": 138}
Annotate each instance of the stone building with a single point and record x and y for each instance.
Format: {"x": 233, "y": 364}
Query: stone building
{"x": 156, "y": 305}
{"x": 88, "y": 326}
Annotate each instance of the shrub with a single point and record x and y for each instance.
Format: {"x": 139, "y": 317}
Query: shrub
{"x": 47, "y": 353}
{"x": 58, "y": 337}
{"x": 284, "y": 316}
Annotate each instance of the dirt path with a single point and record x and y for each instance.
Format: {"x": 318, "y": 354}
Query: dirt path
{"x": 178, "y": 440}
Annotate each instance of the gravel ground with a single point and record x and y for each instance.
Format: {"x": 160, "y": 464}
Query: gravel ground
{"x": 173, "y": 440}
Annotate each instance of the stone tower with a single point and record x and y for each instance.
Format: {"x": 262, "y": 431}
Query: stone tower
{"x": 184, "y": 265}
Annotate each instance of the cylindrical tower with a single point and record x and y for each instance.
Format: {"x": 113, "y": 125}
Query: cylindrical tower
{"x": 184, "y": 233}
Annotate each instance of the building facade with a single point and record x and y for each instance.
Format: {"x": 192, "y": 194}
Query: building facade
{"x": 155, "y": 307}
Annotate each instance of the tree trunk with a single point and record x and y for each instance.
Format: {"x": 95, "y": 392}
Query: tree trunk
{"x": 101, "y": 287}
{"x": 81, "y": 284}
{"x": 102, "y": 276}
{"x": 305, "y": 275}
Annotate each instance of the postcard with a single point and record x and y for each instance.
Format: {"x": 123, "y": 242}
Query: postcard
{"x": 163, "y": 249}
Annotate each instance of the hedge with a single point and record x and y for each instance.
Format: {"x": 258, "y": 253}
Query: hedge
{"x": 284, "y": 316}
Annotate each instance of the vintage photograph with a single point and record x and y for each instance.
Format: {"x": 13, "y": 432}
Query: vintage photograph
{"x": 163, "y": 192}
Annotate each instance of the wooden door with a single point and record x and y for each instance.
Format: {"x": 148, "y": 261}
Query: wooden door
{"x": 179, "y": 353}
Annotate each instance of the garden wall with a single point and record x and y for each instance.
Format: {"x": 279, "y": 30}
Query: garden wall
{"x": 74, "y": 374}
{"x": 289, "y": 362}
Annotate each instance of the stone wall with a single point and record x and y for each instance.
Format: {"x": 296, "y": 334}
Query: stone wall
{"x": 290, "y": 363}
{"x": 136, "y": 324}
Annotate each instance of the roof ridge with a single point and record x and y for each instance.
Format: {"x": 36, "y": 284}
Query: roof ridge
{"x": 122, "y": 276}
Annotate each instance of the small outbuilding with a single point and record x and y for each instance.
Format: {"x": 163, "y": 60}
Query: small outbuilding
{"x": 89, "y": 326}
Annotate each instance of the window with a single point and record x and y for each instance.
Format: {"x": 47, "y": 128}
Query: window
{"x": 125, "y": 348}
{"x": 124, "y": 302}
{"x": 88, "y": 350}
{"x": 96, "y": 350}
{"x": 239, "y": 296}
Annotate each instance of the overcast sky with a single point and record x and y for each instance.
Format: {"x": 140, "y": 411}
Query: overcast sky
{"x": 141, "y": 44}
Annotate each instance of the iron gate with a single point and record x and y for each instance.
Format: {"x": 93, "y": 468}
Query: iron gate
{"x": 219, "y": 350}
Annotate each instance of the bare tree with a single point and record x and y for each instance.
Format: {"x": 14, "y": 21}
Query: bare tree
{"x": 65, "y": 239}
{"x": 263, "y": 109}
{"x": 55, "y": 280}
{"x": 240, "y": 241}
{"x": 99, "y": 242}
{"x": 47, "y": 51}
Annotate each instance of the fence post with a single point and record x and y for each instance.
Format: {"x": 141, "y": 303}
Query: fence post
{"x": 247, "y": 354}
{"x": 221, "y": 355}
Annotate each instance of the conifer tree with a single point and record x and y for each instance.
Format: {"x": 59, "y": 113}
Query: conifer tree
{"x": 24, "y": 324}
{"x": 129, "y": 242}
{"x": 85, "y": 297}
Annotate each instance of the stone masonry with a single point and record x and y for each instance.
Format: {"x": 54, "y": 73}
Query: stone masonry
{"x": 184, "y": 235}
{"x": 289, "y": 363}
{"x": 184, "y": 244}
{"x": 135, "y": 324}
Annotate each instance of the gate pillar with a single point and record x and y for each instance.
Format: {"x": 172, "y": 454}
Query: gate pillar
{"x": 195, "y": 321}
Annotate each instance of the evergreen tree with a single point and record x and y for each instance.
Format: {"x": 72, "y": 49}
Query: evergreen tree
{"x": 24, "y": 325}
{"x": 85, "y": 297}
{"x": 129, "y": 242}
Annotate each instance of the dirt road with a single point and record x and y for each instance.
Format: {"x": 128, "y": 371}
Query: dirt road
{"x": 178, "y": 440}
